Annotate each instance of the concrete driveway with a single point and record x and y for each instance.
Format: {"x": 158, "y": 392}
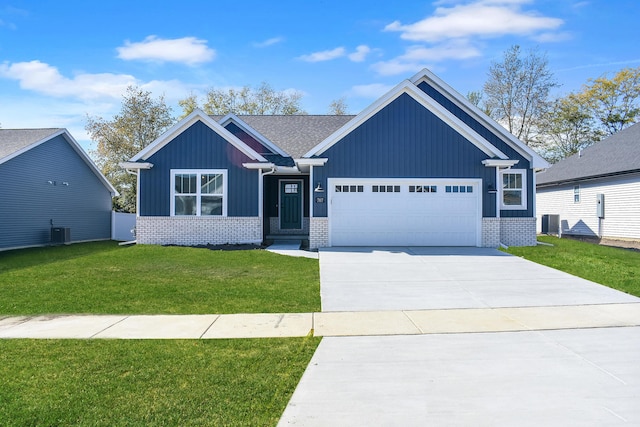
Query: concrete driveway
{"x": 586, "y": 377}
{"x": 373, "y": 279}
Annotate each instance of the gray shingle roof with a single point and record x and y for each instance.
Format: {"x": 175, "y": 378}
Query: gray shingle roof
{"x": 617, "y": 154}
{"x": 14, "y": 140}
{"x": 295, "y": 134}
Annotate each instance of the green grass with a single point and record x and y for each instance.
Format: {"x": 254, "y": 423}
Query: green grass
{"x": 104, "y": 278}
{"x": 614, "y": 267}
{"x": 149, "y": 383}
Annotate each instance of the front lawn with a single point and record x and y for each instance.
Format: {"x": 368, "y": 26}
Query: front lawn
{"x": 149, "y": 383}
{"x": 104, "y": 278}
{"x": 614, "y": 267}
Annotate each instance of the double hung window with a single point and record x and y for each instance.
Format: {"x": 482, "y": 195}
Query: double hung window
{"x": 514, "y": 189}
{"x": 199, "y": 192}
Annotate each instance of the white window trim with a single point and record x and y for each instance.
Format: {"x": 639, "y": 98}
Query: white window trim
{"x": 523, "y": 175}
{"x": 199, "y": 172}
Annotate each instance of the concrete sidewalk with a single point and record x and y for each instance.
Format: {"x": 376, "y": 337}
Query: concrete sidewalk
{"x": 360, "y": 323}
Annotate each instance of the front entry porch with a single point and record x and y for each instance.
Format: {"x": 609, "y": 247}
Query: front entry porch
{"x": 286, "y": 208}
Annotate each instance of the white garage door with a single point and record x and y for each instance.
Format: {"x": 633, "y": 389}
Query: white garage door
{"x": 404, "y": 212}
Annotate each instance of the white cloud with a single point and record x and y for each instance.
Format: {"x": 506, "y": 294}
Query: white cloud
{"x": 269, "y": 42}
{"x": 360, "y": 54}
{"x": 418, "y": 57}
{"x": 373, "y": 91}
{"x": 325, "y": 55}
{"x": 481, "y": 18}
{"x": 552, "y": 37}
{"x": 45, "y": 79}
{"x": 187, "y": 50}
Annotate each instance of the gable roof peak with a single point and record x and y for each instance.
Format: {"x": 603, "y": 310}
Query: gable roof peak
{"x": 182, "y": 125}
{"x": 427, "y": 76}
{"x": 410, "y": 88}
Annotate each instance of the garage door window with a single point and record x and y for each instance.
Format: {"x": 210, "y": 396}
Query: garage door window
{"x": 423, "y": 189}
{"x": 459, "y": 189}
{"x": 349, "y": 188}
{"x": 513, "y": 189}
{"x": 385, "y": 188}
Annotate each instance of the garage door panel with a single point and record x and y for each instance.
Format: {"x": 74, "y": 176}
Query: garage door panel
{"x": 437, "y": 218}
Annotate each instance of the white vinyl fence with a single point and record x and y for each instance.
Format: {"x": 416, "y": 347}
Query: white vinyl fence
{"x": 122, "y": 226}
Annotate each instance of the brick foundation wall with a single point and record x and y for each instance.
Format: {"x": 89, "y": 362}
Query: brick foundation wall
{"x": 318, "y": 233}
{"x": 518, "y": 231}
{"x": 274, "y": 227}
{"x": 191, "y": 231}
{"x": 490, "y": 232}
{"x": 508, "y": 231}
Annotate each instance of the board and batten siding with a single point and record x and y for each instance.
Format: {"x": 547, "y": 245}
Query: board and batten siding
{"x": 29, "y": 204}
{"x": 198, "y": 147}
{"x": 405, "y": 140}
{"x": 494, "y": 139}
{"x": 622, "y": 207}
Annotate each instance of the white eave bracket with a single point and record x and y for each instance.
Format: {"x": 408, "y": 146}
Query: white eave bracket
{"x": 136, "y": 165}
{"x": 500, "y": 163}
{"x": 258, "y": 166}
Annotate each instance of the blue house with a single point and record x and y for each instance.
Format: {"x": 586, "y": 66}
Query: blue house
{"x": 421, "y": 166}
{"x": 51, "y": 190}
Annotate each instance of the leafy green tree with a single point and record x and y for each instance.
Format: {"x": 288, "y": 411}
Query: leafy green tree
{"x": 246, "y": 100}
{"x": 614, "y": 102}
{"x": 140, "y": 121}
{"x": 567, "y": 128}
{"x": 188, "y": 104}
{"x": 517, "y": 92}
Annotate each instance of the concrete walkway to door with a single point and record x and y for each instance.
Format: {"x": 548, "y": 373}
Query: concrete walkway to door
{"x": 586, "y": 375}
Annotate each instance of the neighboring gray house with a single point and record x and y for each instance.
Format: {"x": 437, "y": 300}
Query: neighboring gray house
{"x": 597, "y": 191}
{"x": 421, "y": 166}
{"x": 49, "y": 182}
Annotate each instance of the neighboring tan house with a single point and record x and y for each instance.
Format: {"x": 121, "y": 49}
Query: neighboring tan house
{"x": 51, "y": 190}
{"x": 421, "y": 166}
{"x": 597, "y": 191}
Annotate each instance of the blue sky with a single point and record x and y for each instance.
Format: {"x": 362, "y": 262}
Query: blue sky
{"x": 62, "y": 60}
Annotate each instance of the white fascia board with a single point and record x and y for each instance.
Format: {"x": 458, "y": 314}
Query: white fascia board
{"x": 427, "y": 102}
{"x": 258, "y": 165}
{"x": 135, "y": 165}
{"x": 357, "y": 120}
{"x": 251, "y": 131}
{"x": 500, "y": 163}
{"x": 184, "y": 124}
{"x": 537, "y": 162}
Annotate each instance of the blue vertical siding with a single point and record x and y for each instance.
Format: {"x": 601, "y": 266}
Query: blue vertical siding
{"x": 405, "y": 140}
{"x": 198, "y": 147}
{"x": 493, "y": 139}
{"x": 29, "y": 204}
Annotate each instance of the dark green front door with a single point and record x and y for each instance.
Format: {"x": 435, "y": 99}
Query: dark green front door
{"x": 290, "y": 205}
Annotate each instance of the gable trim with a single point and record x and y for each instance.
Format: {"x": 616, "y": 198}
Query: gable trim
{"x": 407, "y": 87}
{"x": 252, "y": 132}
{"x": 537, "y": 162}
{"x": 76, "y": 147}
{"x": 184, "y": 124}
